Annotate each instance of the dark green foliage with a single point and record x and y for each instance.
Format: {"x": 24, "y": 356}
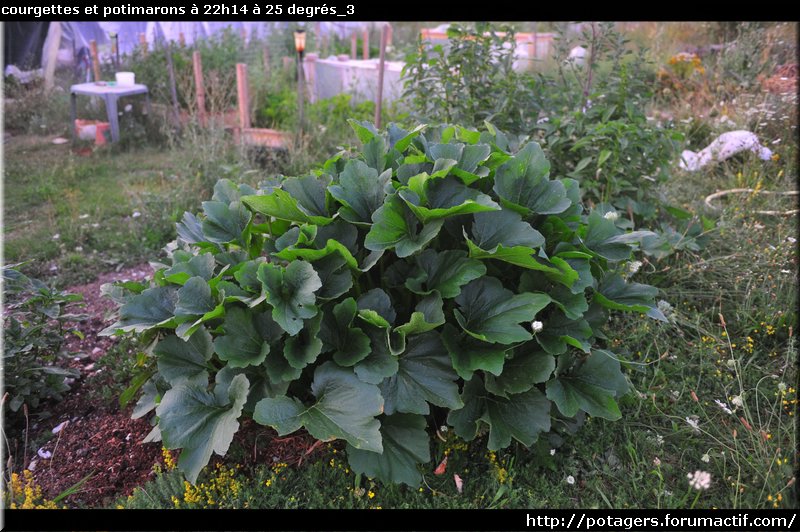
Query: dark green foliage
{"x": 351, "y": 300}
{"x": 34, "y": 329}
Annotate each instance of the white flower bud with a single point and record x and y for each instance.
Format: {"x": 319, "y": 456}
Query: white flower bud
{"x": 537, "y": 326}
{"x": 611, "y": 215}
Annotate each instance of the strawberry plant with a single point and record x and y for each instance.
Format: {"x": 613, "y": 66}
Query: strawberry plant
{"x": 436, "y": 274}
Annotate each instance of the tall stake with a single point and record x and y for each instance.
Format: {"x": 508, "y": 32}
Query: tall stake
{"x": 95, "y": 59}
{"x": 244, "y": 95}
{"x": 381, "y": 62}
{"x": 353, "y": 45}
{"x": 365, "y": 45}
{"x": 173, "y": 88}
{"x": 199, "y": 87}
{"x": 301, "y": 90}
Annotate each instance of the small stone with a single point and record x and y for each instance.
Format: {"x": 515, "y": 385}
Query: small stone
{"x": 96, "y": 351}
{"x": 44, "y": 454}
{"x": 58, "y": 428}
{"x": 32, "y": 465}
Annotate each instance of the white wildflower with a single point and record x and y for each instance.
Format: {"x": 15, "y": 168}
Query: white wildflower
{"x": 656, "y": 461}
{"x": 537, "y": 326}
{"x": 634, "y": 266}
{"x": 782, "y": 386}
{"x": 692, "y": 422}
{"x": 570, "y": 480}
{"x": 56, "y": 236}
{"x": 664, "y": 306}
{"x": 723, "y": 406}
{"x": 83, "y": 216}
{"x": 136, "y": 214}
{"x": 699, "y": 480}
{"x": 552, "y": 452}
{"x": 611, "y": 215}
{"x": 705, "y": 458}
{"x": 737, "y": 401}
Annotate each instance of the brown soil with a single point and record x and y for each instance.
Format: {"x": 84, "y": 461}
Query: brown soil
{"x": 101, "y": 439}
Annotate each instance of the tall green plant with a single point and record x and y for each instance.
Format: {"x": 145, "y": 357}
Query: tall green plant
{"x": 469, "y": 80}
{"x": 34, "y": 327}
{"x": 432, "y": 273}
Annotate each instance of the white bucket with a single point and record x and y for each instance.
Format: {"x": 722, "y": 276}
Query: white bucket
{"x": 126, "y": 79}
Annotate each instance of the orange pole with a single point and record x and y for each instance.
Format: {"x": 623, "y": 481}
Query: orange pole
{"x": 244, "y": 95}
{"x": 200, "y": 88}
{"x": 95, "y": 59}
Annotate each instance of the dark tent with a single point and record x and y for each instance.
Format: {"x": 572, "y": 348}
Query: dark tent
{"x": 22, "y": 44}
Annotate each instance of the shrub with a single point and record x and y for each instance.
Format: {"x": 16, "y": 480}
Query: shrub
{"x": 434, "y": 274}
{"x": 34, "y": 326}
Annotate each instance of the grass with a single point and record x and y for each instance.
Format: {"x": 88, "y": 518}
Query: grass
{"x": 70, "y": 217}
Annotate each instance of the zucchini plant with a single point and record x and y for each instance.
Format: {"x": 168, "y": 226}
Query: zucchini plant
{"x": 435, "y": 274}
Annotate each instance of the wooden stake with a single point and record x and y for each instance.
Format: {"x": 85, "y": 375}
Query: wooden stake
{"x": 95, "y": 59}
{"x": 381, "y": 63}
{"x": 389, "y": 31}
{"x": 353, "y": 45}
{"x": 173, "y": 88}
{"x": 143, "y": 43}
{"x": 244, "y": 95}
{"x": 365, "y": 45}
{"x": 181, "y": 39}
{"x": 200, "y": 88}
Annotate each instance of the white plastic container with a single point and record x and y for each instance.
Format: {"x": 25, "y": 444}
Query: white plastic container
{"x": 126, "y": 79}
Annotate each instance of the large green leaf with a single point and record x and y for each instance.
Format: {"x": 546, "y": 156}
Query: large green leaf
{"x": 280, "y": 204}
{"x": 607, "y": 240}
{"x": 425, "y": 375}
{"x": 405, "y": 445}
{"x": 227, "y": 191}
{"x": 224, "y": 223}
{"x": 380, "y": 363}
{"x": 247, "y": 275}
{"x": 614, "y": 293}
{"x": 591, "y": 388}
{"x": 469, "y": 355}
{"x": 247, "y": 337}
{"x": 349, "y": 344}
{"x": 360, "y": 191}
{"x": 396, "y": 227}
{"x": 490, "y": 312}
{"x": 184, "y": 360}
{"x": 290, "y": 292}
{"x": 200, "y": 422}
{"x": 433, "y": 199}
{"x": 522, "y": 182}
{"x": 345, "y": 409}
{"x": 309, "y": 192}
{"x": 201, "y": 265}
{"x": 376, "y": 307}
{"x": 302, "y": 349}
{"x": 194, "y": 298}
{"x": 427, "y": 315}
{"x": 334, "y": 275}
{"x": 152, "y": 308}
{"x": 190, "y": 229}
{"x": 528, "y": 367}
{"x": 521, "y": 416}
{"x": 313, "y": 254}
{"x": 261, "y": 385}
{"x": 445, "y": 271}
{"x": 506, "y": 228}
{"x": 560, "y": 331}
